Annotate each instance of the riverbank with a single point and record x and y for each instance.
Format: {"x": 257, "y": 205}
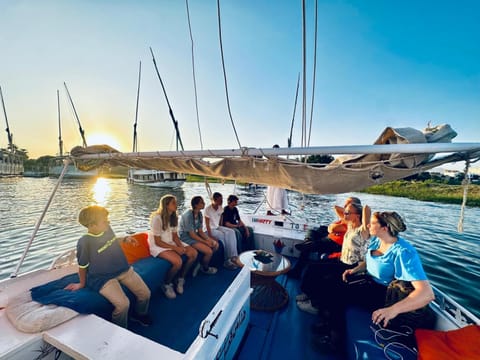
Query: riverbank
{"x": 428, "y": 191}
{"x": 415, "y": 190}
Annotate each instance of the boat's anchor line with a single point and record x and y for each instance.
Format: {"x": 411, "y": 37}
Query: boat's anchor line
{"x": 204, "y": 332}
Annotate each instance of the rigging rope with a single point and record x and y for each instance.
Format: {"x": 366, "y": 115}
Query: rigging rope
{"x": 465, "y": 183}
{"x": 193, "y": 74}
{"x": 289, "y": 141}
{"x": 225, "y": 74}
{"x": 304, "y": 82}
{"x": 314, "y": 73}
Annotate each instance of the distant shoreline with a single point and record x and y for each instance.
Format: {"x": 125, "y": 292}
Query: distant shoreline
{"x": 428, "y": 191}
{"x": 415, "y": 190}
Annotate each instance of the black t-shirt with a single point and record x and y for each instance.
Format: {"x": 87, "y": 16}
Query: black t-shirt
{"x": 230, "y": 215}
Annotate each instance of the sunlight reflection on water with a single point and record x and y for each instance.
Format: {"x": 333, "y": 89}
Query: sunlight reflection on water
{"x": 450, "y": 258}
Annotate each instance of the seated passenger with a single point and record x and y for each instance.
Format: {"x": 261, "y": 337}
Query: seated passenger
{"x": 319, "y": 276}
{"x": 213, "y": 214}
{"x": 389, "y": 257}
{"x": 231, "y": 219}
{"x": 191, "y": 232}
{"x": 103, "y": 267}
{"x": 164, "y": 243}
{"x": 322, "y": 240}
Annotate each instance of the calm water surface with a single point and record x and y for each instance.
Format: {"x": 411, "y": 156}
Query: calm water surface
{"x": 451, "y": 259}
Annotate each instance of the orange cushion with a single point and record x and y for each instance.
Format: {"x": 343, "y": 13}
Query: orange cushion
{"x": 135, "y": 252}
{"x": 459, "y": 344}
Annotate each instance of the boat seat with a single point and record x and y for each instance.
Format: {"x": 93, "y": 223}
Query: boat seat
{"x": 107, "y": 343}
{"x": 361, "y": 343}
{"x": 85, "y": 301}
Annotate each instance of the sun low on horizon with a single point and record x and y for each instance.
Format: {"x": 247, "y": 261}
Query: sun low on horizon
{"x": 104, "y": 139}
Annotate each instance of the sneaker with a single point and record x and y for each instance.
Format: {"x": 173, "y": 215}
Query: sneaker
{"x": 307, "y": 307}
{"x": 168, "y": 291}
{"x": 228, "y": 264}
{"x": 144, "y": 320}
{"x": 196, "y": 270}
{"x": 301, "y": 297}
{"x": 210, "y": 270}
{"x": 236, "y": 261}
{"x": 180, "y": 283}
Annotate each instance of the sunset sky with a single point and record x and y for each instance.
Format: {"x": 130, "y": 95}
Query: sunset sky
{"x": 379, "y": 63}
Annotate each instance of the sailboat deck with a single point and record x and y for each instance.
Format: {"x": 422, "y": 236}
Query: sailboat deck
{"x": 270, "y": 335}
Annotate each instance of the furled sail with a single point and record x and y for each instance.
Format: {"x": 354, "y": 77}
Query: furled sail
{"x": 395, "y": 155}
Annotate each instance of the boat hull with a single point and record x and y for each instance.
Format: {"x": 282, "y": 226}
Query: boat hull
{"x": 156, "y": 178}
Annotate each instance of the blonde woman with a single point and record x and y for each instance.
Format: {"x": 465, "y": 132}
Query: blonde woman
{"x": 355, "y": 243}
{"x": 164, "y": 243}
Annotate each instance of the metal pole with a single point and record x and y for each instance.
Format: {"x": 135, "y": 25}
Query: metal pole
{"x": 37, "y": 225}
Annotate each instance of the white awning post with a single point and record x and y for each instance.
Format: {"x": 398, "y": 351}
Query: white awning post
{"x": 39, "y": 222}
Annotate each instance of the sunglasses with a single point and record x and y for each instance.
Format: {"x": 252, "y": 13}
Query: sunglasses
{"x": 349, "y": 213}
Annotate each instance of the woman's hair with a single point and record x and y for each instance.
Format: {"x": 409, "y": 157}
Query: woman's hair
{"x": 358, "y": 209}
{"x": 167, "y": 220}
{"x": 91, "y": 215}
{"x": 195, "y": 201}
{"x": 392, "y": 221}
{"x": 216, "y": 195}
{"x": 353, "y": 200}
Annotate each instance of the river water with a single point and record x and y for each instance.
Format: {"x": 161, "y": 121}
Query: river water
{"x": 450, "y": 258}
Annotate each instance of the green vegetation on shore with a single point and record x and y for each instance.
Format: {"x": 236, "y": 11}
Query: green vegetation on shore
{"x": 199, "y": 178}
{"x": 428, "y": 190}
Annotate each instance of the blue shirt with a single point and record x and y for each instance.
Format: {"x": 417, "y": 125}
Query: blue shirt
{"x": 189, "y": 223}
{"x": 401, "y": 261}
{"x": 102, "y": 256}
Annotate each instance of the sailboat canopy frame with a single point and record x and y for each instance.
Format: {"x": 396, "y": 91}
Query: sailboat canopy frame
{"x": 266, "y": 166}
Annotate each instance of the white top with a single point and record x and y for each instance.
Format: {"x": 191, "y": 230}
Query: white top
{"x": 354, "y": 246}
{"x": 277, "y": 198}
{"x": 213, "y": 215}
{"x": 157, "y": 230}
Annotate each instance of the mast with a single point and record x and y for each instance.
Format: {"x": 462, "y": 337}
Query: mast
{"x": 135, "y": 145}
{"x": 9, "y": 134}
{"x": 170, "y": 111}
{"x": 60, "y": 141}
{"x": 82, "y": 132}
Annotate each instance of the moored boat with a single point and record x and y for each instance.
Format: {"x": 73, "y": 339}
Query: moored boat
{"x": 156, "y": 178}
{"x": 11, "y": 158}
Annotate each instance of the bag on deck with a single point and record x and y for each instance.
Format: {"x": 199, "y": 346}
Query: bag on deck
{"x": 421, "y": 318}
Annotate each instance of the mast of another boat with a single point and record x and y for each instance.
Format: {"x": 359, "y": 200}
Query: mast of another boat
{"x": 9, "y": 134}
{"x": 170, "y": 111}
{"x": 82, "y": 132}
{"x": 60, "y": 141}
{"x": 135, "y": 145}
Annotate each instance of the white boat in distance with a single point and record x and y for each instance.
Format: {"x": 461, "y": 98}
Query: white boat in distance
{"x": 156, "y": 178}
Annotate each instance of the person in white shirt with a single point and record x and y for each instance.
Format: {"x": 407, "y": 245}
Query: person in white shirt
{"x": 213, "y": 214}
{"x": 277, "y": 200}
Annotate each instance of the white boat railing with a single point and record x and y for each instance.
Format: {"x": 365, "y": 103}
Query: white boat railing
{"x": 451, "y": 314}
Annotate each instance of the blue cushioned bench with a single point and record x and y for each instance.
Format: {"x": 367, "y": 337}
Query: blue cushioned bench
{"x": 85, "y": 301}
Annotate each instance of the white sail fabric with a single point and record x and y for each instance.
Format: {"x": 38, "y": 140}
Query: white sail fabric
{"x": 341, "y": 176}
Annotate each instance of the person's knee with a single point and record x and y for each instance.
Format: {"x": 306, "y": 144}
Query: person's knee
{"x": 122, "y": 305}
{"x": 176, "y": 263}
{"x": 144, "y": 294}
{"x": 191, "y": 254}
